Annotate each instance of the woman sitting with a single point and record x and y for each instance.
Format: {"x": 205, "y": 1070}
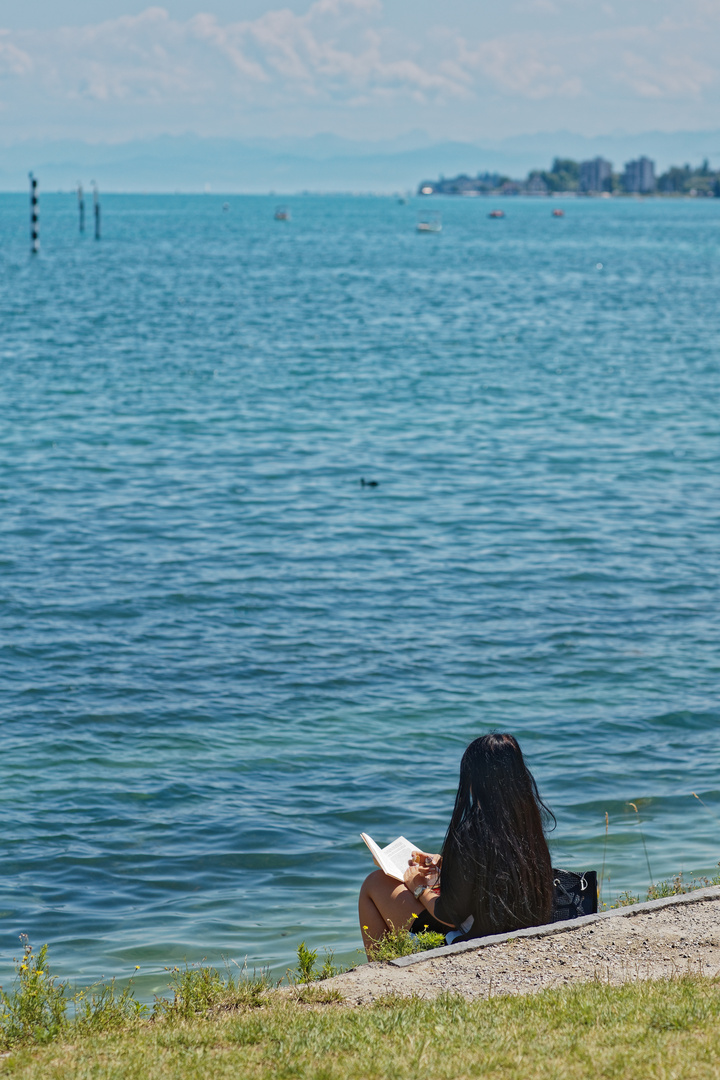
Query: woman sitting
{"x": 494, "y": 874}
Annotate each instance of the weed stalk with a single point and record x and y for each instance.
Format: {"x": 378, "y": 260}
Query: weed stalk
{"x": 642, "y": 837}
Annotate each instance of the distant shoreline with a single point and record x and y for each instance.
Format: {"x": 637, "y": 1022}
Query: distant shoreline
{"x": 637, "y": 196}
{"x": 585, "y": 178}
{"x": 391, "y": 195}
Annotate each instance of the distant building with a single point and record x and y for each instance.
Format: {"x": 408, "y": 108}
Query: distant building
{"x": 481, "y": 184}
{"x": 460, "y": 185}
{"x": 489, "y": 181}
{"x": 595, "y": 175}
{"x": 536, "y": 186}
{"x": 639, "y": 176}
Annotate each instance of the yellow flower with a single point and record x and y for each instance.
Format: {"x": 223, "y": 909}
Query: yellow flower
{"x": 414, "y": 915}
{"x": 137, "y": 967}
{"x": 364, "y": 927}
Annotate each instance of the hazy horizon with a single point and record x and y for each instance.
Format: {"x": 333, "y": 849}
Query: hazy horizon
{"x": 319, "y": 163}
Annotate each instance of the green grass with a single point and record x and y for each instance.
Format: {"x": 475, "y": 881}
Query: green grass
{"x": 307, "y": 970}
{"x": 662, "y": 1030}
{"x": 214, "y": 1025}
{"x": 402, "y": 942}
{"x": 202, "y": 991}
{"x": 40, "y": 1008}
{"x": 36, "y": 1011}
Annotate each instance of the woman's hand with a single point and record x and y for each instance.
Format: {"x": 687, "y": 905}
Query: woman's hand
{"x": 423, "y": 859}
{"x": 416, "y": 875}
{"x": 423, "y": 869}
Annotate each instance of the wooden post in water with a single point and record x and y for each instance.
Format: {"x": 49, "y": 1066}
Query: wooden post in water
{"x": 96, "y": 207}
{"x": 34, "y": 217}
{"x": 81, "y": 206}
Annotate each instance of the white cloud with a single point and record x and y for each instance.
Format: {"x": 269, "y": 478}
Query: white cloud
{"x": 673, "y": 76}
{"x": 332, "y": 52}
{"x": 345, "y": 54}
{"x": 664, "y": 62}
{"x": 13, "y": 60}
{"x": 540, "y": 7}
{"x": 521, "y": 67}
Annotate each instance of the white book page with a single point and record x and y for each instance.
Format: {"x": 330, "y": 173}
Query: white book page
{"x": 374, "y": 849}
{"x": 394, "y": 858}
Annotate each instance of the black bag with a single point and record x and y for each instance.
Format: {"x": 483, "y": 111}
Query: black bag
{"x": 575, "y": 894}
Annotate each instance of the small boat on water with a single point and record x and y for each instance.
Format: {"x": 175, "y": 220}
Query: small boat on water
{"x": 558, "y": 213}
{"x": 282, "y": 214}
{"x": 496, "y": 213}
{"x": 429, "y": 225}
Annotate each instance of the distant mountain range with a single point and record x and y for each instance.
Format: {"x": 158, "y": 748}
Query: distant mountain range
{"x": 322, "y": 163}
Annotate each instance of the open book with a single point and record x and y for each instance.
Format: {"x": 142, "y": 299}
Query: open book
{"x": 394, "y": 858}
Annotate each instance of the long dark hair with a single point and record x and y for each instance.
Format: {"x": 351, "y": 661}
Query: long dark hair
{"x": 495, "y": 855}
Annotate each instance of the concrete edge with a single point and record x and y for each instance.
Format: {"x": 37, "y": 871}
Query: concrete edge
{"x": 475, "y": 944}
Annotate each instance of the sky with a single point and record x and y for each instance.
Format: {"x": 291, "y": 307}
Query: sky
{"x": 467, "y": 70}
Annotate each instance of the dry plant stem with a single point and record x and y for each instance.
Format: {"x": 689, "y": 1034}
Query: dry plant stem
{"x": 602, "y": 872}
{"x": 642, "y": 837}
{"x": 712, "y": 815}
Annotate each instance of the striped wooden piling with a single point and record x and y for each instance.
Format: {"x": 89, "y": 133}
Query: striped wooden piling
{"x": 34, "y": 217}
{"x": 96, "y": 208}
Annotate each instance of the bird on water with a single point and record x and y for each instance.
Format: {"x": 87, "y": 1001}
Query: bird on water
{"x": 368, "y": 483}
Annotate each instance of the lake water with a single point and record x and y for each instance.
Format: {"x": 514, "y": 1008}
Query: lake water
{"x": 223, "y": 657}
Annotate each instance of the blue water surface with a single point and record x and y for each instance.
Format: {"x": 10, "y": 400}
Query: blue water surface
{"x": 223, "y": 656}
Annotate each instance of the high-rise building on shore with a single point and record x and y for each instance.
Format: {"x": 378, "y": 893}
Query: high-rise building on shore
{"x": 639, "y": 176}
{"x": 595, "y": 175}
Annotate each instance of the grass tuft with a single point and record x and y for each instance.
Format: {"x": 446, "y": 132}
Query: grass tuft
{"x": 401, "y": 942}
{"x": 312, "y": 994}
{"x": 200, "y": 991}
{"x": 35, "y": 1011}
{"x": 674, "y": 886}
{"x": 103, "y": 1008}
{"x": 307, "y": 972}
{"x": 625, "y": 899}
{"x": 40, "y": 1007}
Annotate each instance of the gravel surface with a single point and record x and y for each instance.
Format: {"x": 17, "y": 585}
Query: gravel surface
{"x": 669, "y": 941}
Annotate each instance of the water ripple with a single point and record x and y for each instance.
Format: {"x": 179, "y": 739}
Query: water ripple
{"x": 223, "y": 656}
